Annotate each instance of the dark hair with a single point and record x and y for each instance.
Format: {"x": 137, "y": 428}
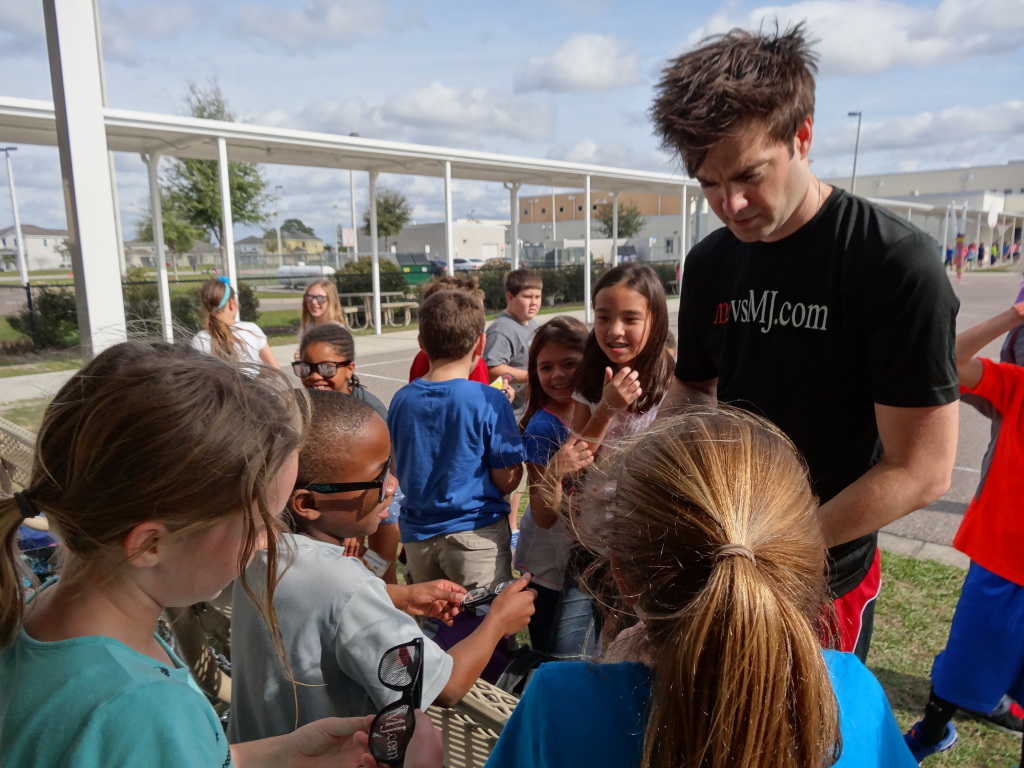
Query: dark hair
{"x": 450, "y": 324}
{"x": 155, "y": 431}
{"x": 652, "y": 362}
{"x": 563, "y": 330}
{"x": 338, "y": 337}
{"x": 223, "y": 341}
{"x": 730, "y": 81}
{"x": 336, "y": 421}
{"x": 520, "y": 279}
{"x": 712, "y": 532}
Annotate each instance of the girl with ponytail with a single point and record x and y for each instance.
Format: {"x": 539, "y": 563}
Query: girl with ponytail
{"x": 225, "y": 337}
{"x": 712, "y": 542}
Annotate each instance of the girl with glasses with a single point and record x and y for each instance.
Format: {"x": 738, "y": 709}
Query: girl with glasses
{"x": 223, "y": 335}
{"x": 162, "y": 471}
{"x": 320, "y": 305}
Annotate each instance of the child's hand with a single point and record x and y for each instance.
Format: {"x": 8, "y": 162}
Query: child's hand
{"x": 353, "y": 546}
{"x": 333, "y": 741}
{"x": 514, "y": 606}
{"x": 621, "y": 389}
{"x": 574, "y": 456}
{"x": 425, "y": 749}
{"x": 441, "y": 599}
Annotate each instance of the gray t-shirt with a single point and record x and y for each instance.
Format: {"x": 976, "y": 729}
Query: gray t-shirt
{"x": 508, "y": 343}
{"x": 337, "y": 621}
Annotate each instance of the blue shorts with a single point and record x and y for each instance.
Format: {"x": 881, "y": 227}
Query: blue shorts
{"x": 984, "y": 656}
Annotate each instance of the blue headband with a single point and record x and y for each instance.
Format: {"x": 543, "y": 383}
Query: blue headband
{"x": 227, "y": 291}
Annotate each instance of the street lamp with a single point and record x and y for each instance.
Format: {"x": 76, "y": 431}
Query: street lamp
{"x": 277, "y": 215}
{"x": 334, "y": 223}
{"x": 19, "y": 244}
{"x": 856, "y": 148}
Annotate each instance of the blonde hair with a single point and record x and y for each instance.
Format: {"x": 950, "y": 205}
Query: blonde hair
{"x": 333, "y": 312}
{"x": 153, "y": 431}
{"x": 223, "y": 341}
{"x": 713, "y": 534}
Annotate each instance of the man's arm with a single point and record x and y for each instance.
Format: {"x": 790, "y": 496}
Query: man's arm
{"x": 971, "y": 341}
{"x": 519, "y": 375}
{"x": 684, "y": 393}
{"x": 919, "y": 448}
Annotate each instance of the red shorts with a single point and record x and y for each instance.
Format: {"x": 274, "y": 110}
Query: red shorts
{"x": 850, "y": 608}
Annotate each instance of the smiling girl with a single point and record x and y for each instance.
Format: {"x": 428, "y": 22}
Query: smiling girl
{"x": 625, "y": 370}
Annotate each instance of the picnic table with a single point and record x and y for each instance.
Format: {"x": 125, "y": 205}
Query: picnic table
{"x": 391, "y": 302}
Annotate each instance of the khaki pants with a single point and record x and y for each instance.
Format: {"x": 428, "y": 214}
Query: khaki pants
{"x": 480, "y": 558}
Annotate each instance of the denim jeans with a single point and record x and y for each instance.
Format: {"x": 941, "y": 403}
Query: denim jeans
{"x": 564, "y": 624}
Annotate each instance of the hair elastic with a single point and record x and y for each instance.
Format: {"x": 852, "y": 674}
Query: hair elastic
{"x": 25, "y": 505}
{"x": 227, "y": 290}
{"x": 735, "y": 550}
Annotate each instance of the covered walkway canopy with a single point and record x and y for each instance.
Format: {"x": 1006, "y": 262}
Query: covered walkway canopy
{"x": 153, "y": 135}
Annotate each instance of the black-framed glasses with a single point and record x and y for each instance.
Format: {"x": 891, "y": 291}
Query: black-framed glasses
{"x": 400, "y": 669}
{"x": 326, "y": 369}
{"x": 381, "y": 482}
{"x": 310, "y": 298}
{"x": 483, "y": 595}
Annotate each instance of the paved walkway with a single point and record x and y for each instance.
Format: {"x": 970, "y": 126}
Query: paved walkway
{"x": 401, "y": 346}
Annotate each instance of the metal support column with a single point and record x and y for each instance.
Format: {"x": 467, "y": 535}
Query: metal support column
{"x": 72, "y": 45}
{"x": 588, "y": 309}
{"x": 159, "y": 250}
{"x": 376, "y": 252}
{"x": 227, "y": 230}
{"x": 513, "y": 198}
{"x": 684, "y": 216}
{"x": 449, "y": 232}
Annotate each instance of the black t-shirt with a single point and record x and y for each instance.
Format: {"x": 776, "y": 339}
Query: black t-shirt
{"x": 852, "y": 309}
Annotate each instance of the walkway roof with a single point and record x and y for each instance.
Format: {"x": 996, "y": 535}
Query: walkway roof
{"x": 32, "y": 122}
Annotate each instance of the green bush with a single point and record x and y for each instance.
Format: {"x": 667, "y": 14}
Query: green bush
{"x": 357, "y": 276}
{"x": 142, "y": 305}
{"x": 56, "y": 318}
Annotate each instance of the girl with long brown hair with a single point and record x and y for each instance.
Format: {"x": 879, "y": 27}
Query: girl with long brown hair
{"x": 223, "y": 335}
{"x": 320, "y": 305}
{"x": 713, "y": 544}
{"x": 162, "y": 471}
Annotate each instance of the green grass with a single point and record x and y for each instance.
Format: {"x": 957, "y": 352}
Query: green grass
{"x": 20, "y": 368}
{"x": 911, "y": 625}
{"x": 25, "y": 413}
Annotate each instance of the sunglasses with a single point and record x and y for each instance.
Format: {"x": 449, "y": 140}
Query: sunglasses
{"x": 326, "y": 369}
{"x": 400, "y": 669}
{"x": 483, "y": 595}
{"x": 381, "y": 483}
{"x": 310, "y": 299}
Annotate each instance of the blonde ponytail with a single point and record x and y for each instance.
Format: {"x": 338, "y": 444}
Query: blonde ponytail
{"x": 214, "y": 295}
{"x": 712, "y": 532}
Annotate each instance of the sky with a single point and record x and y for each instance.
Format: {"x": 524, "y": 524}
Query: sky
{"x": 939, "y": 84}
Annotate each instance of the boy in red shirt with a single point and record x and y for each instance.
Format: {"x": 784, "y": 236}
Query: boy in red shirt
{"x": 967, "y": 674}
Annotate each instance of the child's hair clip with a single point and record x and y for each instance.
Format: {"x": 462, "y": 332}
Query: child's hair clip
{"x": 224, "y": 279}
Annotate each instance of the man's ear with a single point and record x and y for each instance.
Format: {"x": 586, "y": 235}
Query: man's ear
{"x": 303, "y": 504}
{"x": 144, "y": 544}
{"x": 804, "y": 134}
{"x": 478, "y": 350}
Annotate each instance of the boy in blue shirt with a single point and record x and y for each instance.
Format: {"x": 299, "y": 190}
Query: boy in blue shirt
{"x": 457, "y": 454}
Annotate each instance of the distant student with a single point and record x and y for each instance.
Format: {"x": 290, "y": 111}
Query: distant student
{"x": 225, "y": 337}
{"x": 337, "y": 618}
{"x": 458, "y": 453}
{"x": 983, "y": 660}
{"x": 470, "y": 286}
{"x": 510, "y": 334}
{"x": 563, "y": 625}
{"x": 625, "y": 371}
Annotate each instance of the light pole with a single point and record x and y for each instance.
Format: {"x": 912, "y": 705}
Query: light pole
{"x": 334, "y": 223}
{"x": 19, "y": 244}
{"x": 532, "y": 201}
{"x": 553, "y": 214}
{"x": 277, "y": 215}
{"x": 352, "y": 200}
{"x": 572, "y": 202}
{"x": 856, "y": 149}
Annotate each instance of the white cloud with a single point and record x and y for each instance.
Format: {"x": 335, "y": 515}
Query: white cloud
{"x": 861, "y": 37}
{"x": 585, "y": 62}
{"x": 614, "y": 154}
{"x": 435, "y": 114}
{"x": 317, "y": 23}
{"x": 125, "y": 25}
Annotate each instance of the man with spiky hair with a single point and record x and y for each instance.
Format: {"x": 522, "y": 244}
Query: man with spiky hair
{"x": 815, "y": 308}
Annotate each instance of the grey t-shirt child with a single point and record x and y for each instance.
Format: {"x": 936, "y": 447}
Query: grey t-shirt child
{"x": 508, "y": 343}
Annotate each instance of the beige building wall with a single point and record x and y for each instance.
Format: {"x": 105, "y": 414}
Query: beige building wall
{"x": 472, "y": 240}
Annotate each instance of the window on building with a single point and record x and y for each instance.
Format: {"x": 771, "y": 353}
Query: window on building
{"x": 668, "y": 245}
{"x": 526, "y": 212}
{"x": 1007, "y": 191}
{"x": 543, "y": 210}
{"x": 44, "y": 242}
{"x": 561, "y": 209}
{"x": 579, "y": 208}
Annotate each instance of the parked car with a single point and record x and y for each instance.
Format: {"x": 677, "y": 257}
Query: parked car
{"x": 438, "y": 267}
{"x": 467, "y": 265}
{"x": 300, "y": 275}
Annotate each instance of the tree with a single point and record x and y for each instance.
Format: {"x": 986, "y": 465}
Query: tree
{"x": 193, "y": 186}
{"x": 296, "y": 225}
{"x": 393, "y": 213}
{"x": 630, "y": 221}
{"x": 179, "y": 235}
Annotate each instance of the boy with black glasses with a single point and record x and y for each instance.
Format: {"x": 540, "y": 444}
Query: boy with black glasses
{"x": 336, "y": 617}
